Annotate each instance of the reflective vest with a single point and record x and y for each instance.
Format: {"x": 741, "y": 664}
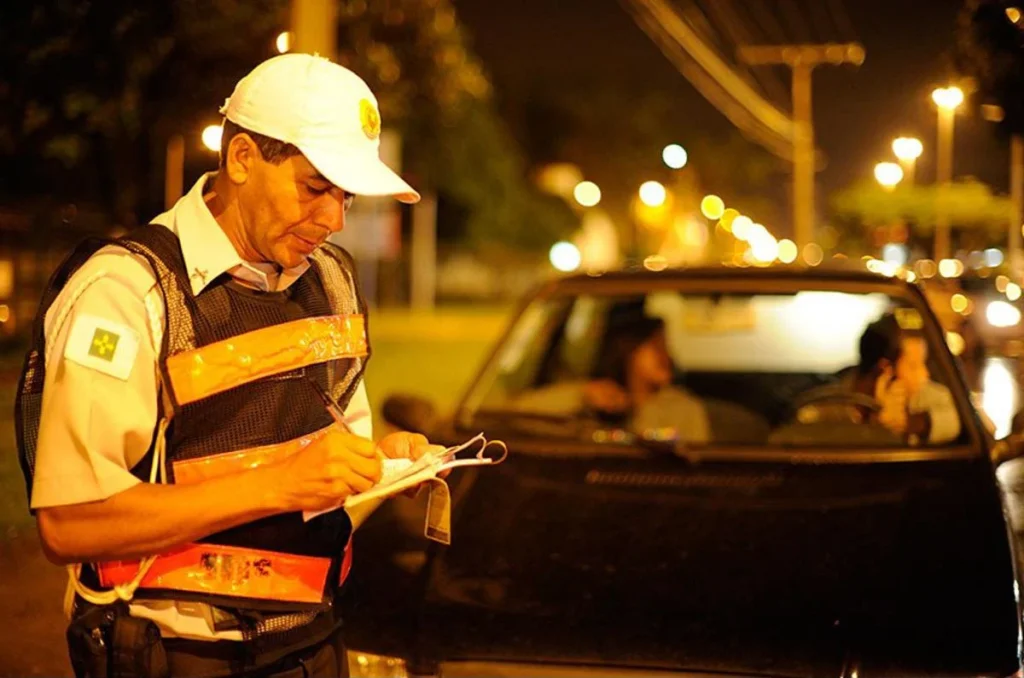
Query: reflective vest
{"x": 237, "y": 371}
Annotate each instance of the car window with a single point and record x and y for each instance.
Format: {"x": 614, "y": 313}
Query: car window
{"x": 804, "y": 369}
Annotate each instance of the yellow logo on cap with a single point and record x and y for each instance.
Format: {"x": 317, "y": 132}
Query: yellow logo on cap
{"x": 370, "y": 118}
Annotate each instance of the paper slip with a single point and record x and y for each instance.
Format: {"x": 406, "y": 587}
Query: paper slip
{"x": 439, "y": 513}
{"x": 399, "y": 475}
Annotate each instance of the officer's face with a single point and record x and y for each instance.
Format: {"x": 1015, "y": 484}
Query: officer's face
{"x": 289, "y": 209}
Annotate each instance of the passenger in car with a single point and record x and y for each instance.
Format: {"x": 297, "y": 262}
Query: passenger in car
{"x": 893, "y": 369}
{"x": 631, "y": 385}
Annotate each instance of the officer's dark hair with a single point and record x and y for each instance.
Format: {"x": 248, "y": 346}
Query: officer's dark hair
{"x": 882, "y": 340}
{"x": 620, "y": 341}
{"x": 273, "y": 150}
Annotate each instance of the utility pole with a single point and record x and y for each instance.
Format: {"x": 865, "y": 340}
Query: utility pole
{"x": 315, "y": 27}
{"x": 802, "y": 59}
{"x": 1017, "y": 199}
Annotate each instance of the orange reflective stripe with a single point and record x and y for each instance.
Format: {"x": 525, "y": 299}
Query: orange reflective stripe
{"x": 228, "y": 571}
{"x": 217, "y": 367}
{"x": 189, "y": 471}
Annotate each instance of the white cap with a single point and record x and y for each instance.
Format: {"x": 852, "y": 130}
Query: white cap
{"x": 325, "y": 110}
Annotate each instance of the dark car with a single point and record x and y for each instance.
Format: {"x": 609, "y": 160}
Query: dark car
{"x": 775, "y": 528}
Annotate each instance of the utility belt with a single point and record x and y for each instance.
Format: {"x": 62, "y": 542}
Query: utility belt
{"x": 105, "y": 641}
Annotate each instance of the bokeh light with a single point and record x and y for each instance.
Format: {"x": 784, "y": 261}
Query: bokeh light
{"x": 587, "y": 193}
{"x": 813, "y": 254}
{"x": 211, "y": 137}
{"x": 712, "y": 207}
{"x": 652, "y": 194}
{"x": 565, "y": 256}
{"x": 787, "y": 251}
{"x": 283, "y": 42}
{"x": 675, "y": 156}
{"x": 951, "y": 268}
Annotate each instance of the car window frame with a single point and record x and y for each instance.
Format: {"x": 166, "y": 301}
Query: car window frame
{"x": 907, "y": 293}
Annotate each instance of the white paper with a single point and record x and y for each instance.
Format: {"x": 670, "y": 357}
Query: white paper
{"x": 400, "y": 475}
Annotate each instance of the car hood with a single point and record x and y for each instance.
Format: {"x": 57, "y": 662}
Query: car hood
{"x": 753, "y": 569}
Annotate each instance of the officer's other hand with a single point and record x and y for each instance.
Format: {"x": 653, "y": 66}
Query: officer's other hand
{"x": 328, "y": 470}
{"x": 406, "y": 445}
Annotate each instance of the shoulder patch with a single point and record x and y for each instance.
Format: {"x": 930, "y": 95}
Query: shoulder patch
{"x": 102, "y": 345}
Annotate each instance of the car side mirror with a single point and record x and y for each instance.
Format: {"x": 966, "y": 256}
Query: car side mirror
{"x": 410, "y": 413}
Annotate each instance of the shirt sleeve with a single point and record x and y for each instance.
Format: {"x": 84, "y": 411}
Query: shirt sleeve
{"x": 95, "y": 425}
{"x": 937, "y": 401}
{"x": 358, "y": 411}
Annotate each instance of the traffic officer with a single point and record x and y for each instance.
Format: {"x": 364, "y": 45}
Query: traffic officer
{"x": 171, "y": 420}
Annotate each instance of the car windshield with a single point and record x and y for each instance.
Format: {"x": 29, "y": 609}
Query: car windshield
{"x": 807, "y": 368}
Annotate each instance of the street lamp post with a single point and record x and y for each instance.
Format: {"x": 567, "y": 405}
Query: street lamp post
{"x": 947, "y": 99}
{"x": 888, "y": 174}
{"x": 908, "y": 150}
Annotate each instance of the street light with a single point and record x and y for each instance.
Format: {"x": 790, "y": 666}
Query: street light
{"x": 947, "y": 99}
{"x": 888, "y": 174}
{"x": 908, "y": 150}
{"x": 212, "y": 136}
{"x": 675, "y": 156}
{"x": 283, "y": 42}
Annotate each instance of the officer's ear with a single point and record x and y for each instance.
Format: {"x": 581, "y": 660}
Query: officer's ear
{"x": 242, "y": 154}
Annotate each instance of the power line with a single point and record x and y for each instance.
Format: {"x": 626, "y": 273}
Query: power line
{"x": 767, "y": 21}
{"x": 820, "y": 21}
{"x": 846, "y": 28}
{"x": 801, "y": 31}
{"x": 713, "y": 78}
{"x": 741, "y": 35}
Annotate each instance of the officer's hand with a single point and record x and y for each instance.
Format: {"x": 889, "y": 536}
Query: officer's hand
{"x": 406, "y": 445}
{"x": 328, "y": 470}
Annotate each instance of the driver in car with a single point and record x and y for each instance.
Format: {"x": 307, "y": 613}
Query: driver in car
{"x": 631, "y": 385}
{"x": 893, "y": 369}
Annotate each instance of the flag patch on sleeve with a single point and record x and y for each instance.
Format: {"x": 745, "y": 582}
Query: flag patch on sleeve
{"x": 102, "y": 345}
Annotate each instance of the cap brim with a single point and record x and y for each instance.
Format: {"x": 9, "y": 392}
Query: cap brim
{"x": 361, "y": 175}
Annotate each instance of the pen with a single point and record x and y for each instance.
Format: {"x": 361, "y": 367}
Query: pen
{"x": 336, "y": 412}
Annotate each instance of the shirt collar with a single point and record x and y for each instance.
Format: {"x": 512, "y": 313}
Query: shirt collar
{"x": 208, "y": 252}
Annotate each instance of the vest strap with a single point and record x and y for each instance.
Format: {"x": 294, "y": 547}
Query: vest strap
{"x": 188, "y": 471}
{"x": 232, "y": 571}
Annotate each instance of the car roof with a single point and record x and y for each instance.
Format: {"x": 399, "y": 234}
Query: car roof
{"x": 834, "y": 272}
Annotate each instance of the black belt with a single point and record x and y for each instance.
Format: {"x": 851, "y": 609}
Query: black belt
{"x": 270, "y": 651}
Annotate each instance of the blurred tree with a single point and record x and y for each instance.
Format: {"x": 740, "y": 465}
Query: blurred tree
{"x": 990, "y": 48}
{"x": 974, "y": 211}
{"x": 92, "y": 90}
{"x": 416, "y": 57}
{"x": 634, "y": 123}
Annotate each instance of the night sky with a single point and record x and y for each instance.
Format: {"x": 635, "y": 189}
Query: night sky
{"x": 858, "y": 112}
